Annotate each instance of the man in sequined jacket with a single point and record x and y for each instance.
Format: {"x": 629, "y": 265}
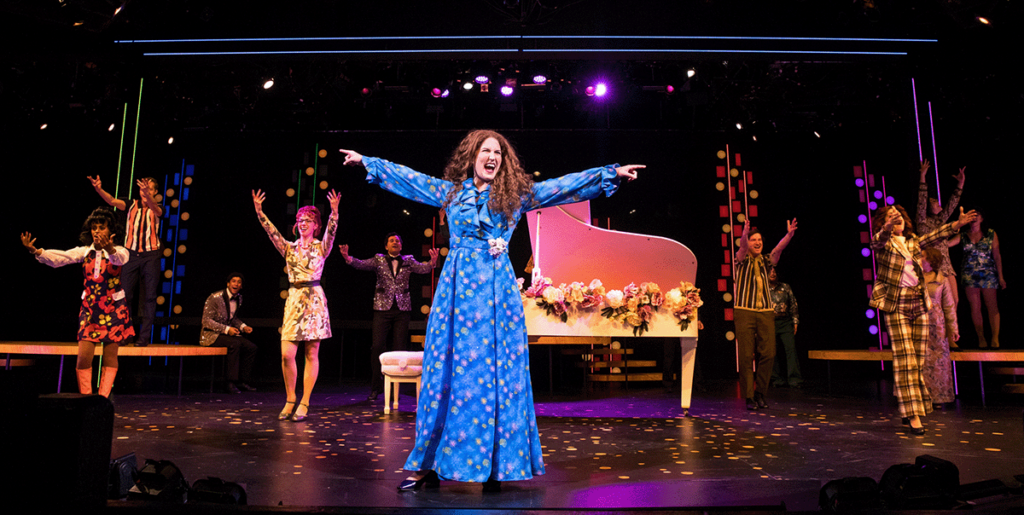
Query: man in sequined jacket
{"x": 392, "y": 304}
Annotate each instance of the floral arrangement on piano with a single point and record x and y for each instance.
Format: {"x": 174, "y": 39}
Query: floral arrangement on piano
{"x": 633, "y": 305}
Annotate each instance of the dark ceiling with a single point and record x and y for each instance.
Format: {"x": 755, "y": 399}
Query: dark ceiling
{"x": 370, "y": 65}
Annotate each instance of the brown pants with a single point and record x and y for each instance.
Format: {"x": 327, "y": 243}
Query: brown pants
{"x": 755, "y": 336}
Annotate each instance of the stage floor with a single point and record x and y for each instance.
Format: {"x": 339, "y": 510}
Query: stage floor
{"x": 611, "y": 449}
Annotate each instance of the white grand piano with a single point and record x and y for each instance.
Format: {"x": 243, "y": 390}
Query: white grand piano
{"x": 567, "y": 248}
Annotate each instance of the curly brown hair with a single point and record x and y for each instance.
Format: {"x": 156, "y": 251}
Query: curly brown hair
{"x": 511, "y": 187}
{"x": 879, "y": 220}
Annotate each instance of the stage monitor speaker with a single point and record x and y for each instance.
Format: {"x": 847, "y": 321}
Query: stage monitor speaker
{"x": 123, "y": 473}
{"x": 160, "y": 481}
{"x": 929, "y": 483}
{"x": 850, "y": 494}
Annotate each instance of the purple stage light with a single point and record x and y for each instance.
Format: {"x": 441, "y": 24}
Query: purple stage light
{"x": 482, "y": 79}
{"x": 670, "y": 89}
{"x": 878, "y": 194}
{"x": 865, "y": 252}
{"x": 859, "y": 183}
{"x": 872, "y": 205}
{"x": 873, "y": 329}
{"x": 600, "y": 89}
{"x": 435, "y": 92}
{"x": 589, "y": 91}
{"x": 890, "y": 200}
{"x": 870, "y": 313}
{"x": 539, "y": 79}
{"x": 862, "y": 219}
{"x": 445, "y": 93}
{"x": 506, "y": 90}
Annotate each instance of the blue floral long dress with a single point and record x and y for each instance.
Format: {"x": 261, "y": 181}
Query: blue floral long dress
{"x": 475, "y": 419}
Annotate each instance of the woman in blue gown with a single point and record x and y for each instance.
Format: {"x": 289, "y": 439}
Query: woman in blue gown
{"x": 475, "y": 420}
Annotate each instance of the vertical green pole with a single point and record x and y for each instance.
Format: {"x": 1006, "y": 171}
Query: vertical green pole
{"x": 120, "y": 152}
{"x": 135, "y": 146}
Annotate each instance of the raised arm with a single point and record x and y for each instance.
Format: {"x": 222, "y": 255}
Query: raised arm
{"x": 333, "y": 197}
{"x": 275, "y": 237}
{"x": 425, "y": 268}
{"x": 97, "y": 185}
{"x": 147, "y": 197}
{"x": 954, "y": 198}
{"x": 881, "y": 238}
{"x": 922, "y": 194}
{"x": 742, "y": 251}
{"x": 777, "y": 251}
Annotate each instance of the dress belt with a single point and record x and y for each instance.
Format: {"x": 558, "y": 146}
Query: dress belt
{"x": 309, "y": 284}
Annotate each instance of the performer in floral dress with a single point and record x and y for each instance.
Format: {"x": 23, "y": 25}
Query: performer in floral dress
{"x": 943, "y": 331}
{"x": 306, "y": 320}
{"x": 103, "y": 318}
{"x": 475, "y": 420}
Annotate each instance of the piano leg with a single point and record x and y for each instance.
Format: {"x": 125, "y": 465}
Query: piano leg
{"x": 688, "y": 355}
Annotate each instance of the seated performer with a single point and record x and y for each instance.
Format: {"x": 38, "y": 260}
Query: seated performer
{"x": 223, "y": 328}
{"x": 391, "y": 302}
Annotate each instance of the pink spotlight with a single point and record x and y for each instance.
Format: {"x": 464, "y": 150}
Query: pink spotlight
{"x": 589, "y": 91}
{"x": 506, "y": 90}
{"x": 435, "y": 92}
{"x": 670, "y": 89}
{"x": 601, "y": 89}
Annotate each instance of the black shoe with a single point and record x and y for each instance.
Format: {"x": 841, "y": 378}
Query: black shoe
{"x": 245, "y": 387}
{"x": 299, "y": 418}
{"x": 917, "y": 431}
{"x": 751, "y": 405}
{"x": 231, "y": 388}
{"x": 492, "y": 486}
{"x": 429, "y": 480}
{"x": 759, "y": 399}
{"x": 373, "y": 396}
{"x": 905, "y": 421}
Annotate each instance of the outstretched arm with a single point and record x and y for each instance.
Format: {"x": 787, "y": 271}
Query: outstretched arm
{"x": 400, "y": 180}
{"x": 741, "y": 252}
{"x": 30, "y": 243}
{"x": 777, "y": 251}
{"x": 275, "y": 236}
{"x": 954, "y": 198}
{"x": 333, "y": 197}
{"x": 922, "y": 194}
{"x": 97, "y": 185}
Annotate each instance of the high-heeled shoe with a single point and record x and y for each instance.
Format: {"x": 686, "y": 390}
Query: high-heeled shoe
{"x": 492, "y": 485}
{"x": 428, "y": 480}
{"x": 917, "y": 430}
{"x": 299, "y": 418}
{"x": 286, "y": 413}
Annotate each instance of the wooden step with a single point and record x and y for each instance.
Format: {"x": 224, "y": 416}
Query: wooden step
{"x": 1014, "y": 388}
{"x": 628, "y": 363}
{"x": 644, "y": 376}
{"x": 1006, "y": 371}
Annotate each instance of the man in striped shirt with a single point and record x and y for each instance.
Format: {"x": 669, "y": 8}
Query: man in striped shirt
{"x": 754, "y": 312}
{"x": 142, "y": 239}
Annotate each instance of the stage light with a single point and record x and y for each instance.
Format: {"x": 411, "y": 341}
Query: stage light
{"x": 866, "y": 252}
{"x": 365, "y": 92}
{"x": 601, "y": 89}
{"x": 467, "y": 86}
{"x": 405, "y": 212}
{"x": 482, "y": 79}
{"x": 507, "y": 90}
{"x": 816, "y": 134}
{"x": 118, "y": 9}
{"x": 268, "y": 84}
{"x": 43, "y": 127}
{"x": 872, "y": 205}
{"x": 589, "y": 91}
{"x": 890, "y": 201}
{"x": 862, "y": 219}
{"x": 539, "y": 79}
{"x": 670, "y": 89}
{"x": 870, "y": 313}
{"x": 445, "y": 93}
{"x": 754, "y": 137}
{"x": 691, "y": 72}
{"x": 111, "y": 128}
{"x": 170, "y": 141}
{"x": 739, "y": 125}
{"x": 79, "y": 23}
{"x": 435, "y": 92}
{"x": 873, "y": 329}
{"x": 859, "y": 183}
{"x": 983, "y": 20}
{"x": 878, "y": 193}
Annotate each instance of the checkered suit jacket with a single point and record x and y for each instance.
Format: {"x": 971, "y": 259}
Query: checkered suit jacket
{"x": 889, "y": 259}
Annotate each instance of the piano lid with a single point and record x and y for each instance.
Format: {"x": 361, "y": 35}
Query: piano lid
{"x": 570, "y": 249}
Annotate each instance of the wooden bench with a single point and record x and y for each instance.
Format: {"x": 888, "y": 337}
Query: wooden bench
{"x": 979, "y": 356}
{"x": 71, "y": 349}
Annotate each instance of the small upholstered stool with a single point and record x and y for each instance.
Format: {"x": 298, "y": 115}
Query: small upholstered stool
{"x": 400, "y": 367}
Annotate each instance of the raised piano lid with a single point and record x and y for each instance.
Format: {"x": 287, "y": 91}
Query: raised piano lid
{"x": 570, "y": 249}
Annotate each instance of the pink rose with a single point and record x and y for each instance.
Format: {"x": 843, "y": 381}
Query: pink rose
{"x": 657, "y": 298}
{"x": 645, "y": 313}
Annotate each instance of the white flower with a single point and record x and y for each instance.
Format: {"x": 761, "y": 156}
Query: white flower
{"x": 614, "y": 298}
{"x": 553, "y": 295}
{"x": 498, "y": 246}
